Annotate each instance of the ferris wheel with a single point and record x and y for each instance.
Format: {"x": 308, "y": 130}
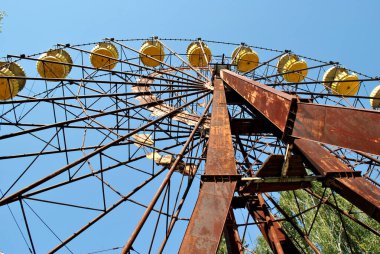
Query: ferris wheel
{"x": 164, "y": 145}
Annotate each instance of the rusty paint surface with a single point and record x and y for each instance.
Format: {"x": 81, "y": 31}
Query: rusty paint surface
{"x": 322, "y": 160}
{"x": 207, "y": 221}
{"x": 345, "y": 127}
{"x": 220, "y": 154}
{"x": 271, "y": 103}
{"x": 351, "y": 128}
{"x": 271, "y": 230}
{"x": 357, "y": 190}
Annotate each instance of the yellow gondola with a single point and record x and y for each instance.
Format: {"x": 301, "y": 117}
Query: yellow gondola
{"x": 152, "y": 49}
{"x": 245, "y": 59}
{"x": 375, "y": 102}
{"x": 349, "y": 86}
{"x": 54, "y": 64}
{"x": 9, "y": 88}
{"x": 197, "y": 56}
{"x": 103, "y": 56}
{"x": 294, "y": 70}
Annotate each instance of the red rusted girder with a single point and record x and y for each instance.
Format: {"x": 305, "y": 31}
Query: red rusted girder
{"x": 271, "y": 230}
{"x": 352, "y": 128}
{"x": 357, "y": 190}
{"x": 339, "y": 126}
{"x": 231, "y": 234}
{"x": 273, "y": 104}
{"x": 207, "y": 221}
{"x": 334, "y": 125}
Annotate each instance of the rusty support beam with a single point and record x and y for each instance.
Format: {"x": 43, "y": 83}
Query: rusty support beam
{"x": 338, "y": 126}
{"x": 333, "y": 125}
{"x": 271, "y": 229}
{"x": 352, "y": 128}
{"x": 272, "y": 104}
{"x": 231, "y": 234}
{"x": 357, "y": 190}
{"x": 207, "y": 221}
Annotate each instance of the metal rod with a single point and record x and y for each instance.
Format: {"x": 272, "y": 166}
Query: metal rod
{"x": 97, "y": 115}
{"x": 345, "y": 213}
{"x": 288, "y": 72}
{"x": 300, "y": 232}
{"x": 185, "y": 62}
{"x": 104, "y": 213}
{"x": 145, "y": 216}
{"x": 11, "y": 198}
{"x": 93, "y": 173}
{"x": 231, "y": 234}
{"x": 27, "y": 226}
{"x": 51, "y": 99}
{"x": 176, "y": 213}
{"x": 136, "y": 65}
{"x": 323, "y": 82}
{"x": 161, "y": 62}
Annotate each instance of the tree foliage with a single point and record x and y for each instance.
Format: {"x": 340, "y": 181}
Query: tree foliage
{"x": 331, "y": 231}
{"x": 222, "y": 249}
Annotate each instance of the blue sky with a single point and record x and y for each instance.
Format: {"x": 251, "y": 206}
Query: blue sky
{"x": 344, "y": 31}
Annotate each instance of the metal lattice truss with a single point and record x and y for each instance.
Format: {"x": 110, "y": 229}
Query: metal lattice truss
{"x": 154, "y": 150}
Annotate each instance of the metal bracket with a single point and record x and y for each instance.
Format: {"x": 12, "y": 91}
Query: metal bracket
{"x": 220, "y": 178}
{"x": 285, "y": 166}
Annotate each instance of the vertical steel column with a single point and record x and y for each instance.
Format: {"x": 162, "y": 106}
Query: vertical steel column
{"x": 207, "y": 221}
{"x": 233, "y": 241}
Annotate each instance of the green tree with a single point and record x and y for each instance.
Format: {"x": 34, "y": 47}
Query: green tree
{"x": 222, "y": 249}
{"x": 328, "y": 233}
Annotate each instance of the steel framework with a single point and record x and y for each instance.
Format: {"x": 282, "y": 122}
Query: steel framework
{"x": 146, "y": 140}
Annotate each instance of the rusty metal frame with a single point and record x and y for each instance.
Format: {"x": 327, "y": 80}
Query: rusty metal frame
{"x": 321, "y": 123}
{"x": 208, "y": 219}
{"x": 307, "y": 122}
